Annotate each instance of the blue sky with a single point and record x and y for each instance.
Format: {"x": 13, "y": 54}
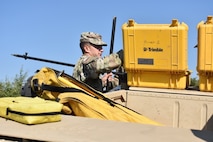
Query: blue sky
{"x": 51, "y": 28}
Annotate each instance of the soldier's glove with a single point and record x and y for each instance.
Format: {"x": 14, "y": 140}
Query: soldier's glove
{"x": 121, "y": 56}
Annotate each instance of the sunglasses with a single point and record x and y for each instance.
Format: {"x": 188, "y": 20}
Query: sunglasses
{"x": 99, "y": 47}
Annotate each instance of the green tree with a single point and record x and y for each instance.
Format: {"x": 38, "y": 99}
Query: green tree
{"x": 194, "y": 82}
{"x": 13, "y": 88}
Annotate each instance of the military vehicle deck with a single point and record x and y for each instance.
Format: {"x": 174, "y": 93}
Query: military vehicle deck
{"x": 73, "y": 128}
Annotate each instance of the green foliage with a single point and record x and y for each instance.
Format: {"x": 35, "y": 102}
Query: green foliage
{"x": 194, "y": 82}
{"x": 12, "y": 88}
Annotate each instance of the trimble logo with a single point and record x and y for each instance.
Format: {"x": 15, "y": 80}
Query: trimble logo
{"x": 152, "y": 49}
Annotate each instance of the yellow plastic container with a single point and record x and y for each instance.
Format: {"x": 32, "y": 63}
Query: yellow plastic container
{"x": 205, "y": 54}
{"x": 155, "y": 55}
{"x": 206, "y": 81}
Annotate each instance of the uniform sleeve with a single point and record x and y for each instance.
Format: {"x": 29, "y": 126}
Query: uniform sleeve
{"x": 93, "y": 66}
{"x": 108, "y": 63}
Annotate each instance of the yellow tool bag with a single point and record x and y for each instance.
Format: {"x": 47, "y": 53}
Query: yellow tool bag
{"x": 80, "y": 99}
{"x": 28, "y": 110}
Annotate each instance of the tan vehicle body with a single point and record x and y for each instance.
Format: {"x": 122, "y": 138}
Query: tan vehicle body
{"x": 186, "y": 114}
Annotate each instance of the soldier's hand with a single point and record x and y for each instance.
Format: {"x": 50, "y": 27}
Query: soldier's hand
{"x": 106, "y": 77}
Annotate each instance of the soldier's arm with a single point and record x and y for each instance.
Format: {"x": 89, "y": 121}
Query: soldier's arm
{"x": 108, "y": 63}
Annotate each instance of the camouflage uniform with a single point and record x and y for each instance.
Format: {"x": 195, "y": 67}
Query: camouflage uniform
{"x": 89, "y": 68}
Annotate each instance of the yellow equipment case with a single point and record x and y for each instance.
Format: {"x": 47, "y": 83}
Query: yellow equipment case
{"x": 205, "y": 54}
{"x": 155, "y": 55}
{"x": 28, "y": 110}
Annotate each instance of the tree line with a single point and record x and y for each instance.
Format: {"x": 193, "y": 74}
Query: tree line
{"x": 12, "y": 88}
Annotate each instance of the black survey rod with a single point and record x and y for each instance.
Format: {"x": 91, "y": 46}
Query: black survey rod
{"x": 25, "y": 56}
{"x": 112, "y": 35}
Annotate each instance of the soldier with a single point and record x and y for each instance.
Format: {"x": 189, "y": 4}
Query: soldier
{"x": 93, "y": 69}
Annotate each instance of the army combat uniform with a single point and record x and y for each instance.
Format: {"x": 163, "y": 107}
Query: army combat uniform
{"x": 89, "y": 68}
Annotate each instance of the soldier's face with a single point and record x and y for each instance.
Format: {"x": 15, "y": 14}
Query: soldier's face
{"x": 96, "y": 50}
